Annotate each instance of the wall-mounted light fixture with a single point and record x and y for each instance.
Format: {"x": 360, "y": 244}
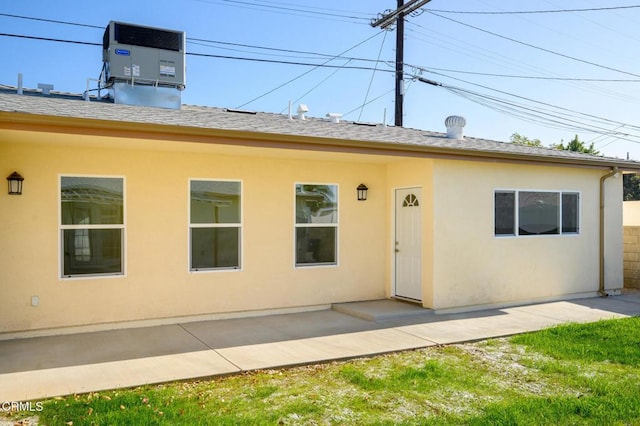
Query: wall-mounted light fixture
{"x": 362, "y": 192}
{"x": 15, "y": 183}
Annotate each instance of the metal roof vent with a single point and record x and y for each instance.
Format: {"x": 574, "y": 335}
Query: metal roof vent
{"x": 302, "y": 110}
{"x": 455, "y": 125}
{"x": 334, "y": 116}
{"x": 46, "y": 88}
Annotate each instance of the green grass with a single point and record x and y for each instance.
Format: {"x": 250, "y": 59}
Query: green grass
{"x": 566, "y": 375}
{"x": 611, "y": 341}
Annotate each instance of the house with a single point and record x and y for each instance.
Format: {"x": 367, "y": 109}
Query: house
{"x": 133, "y": 213}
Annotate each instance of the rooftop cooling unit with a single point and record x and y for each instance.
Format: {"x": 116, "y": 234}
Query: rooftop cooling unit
{"x": 143, "y": 55}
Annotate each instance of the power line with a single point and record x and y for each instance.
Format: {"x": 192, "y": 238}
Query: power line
{"x": 188, "y": 39}
{"x": 529, "y": 12}
{"x": 499, "y": 59}
{"x": 529, "y": 77}
{"x": 370, "y": 101}
{"x": 547, "y": 114}
{"x": 283, "y": 9}
{"x": 313, "y": 88}
{"x": 366, "y": 96}
{"x": 347, "y": 58}
{"x": 50, "y": 39}
{"x": 305, "y": 73}
{"x": 272, "y": 61}
{"x": 250, "y": 46}
{"x": 524, "y": 112}
{"x": 302, "y": 52}
{"x": 51, "y": 21}
{"x": 307, "y": 64}
{"x": 535, "y": 47}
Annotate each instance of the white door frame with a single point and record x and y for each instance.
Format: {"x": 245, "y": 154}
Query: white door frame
{"x": 413, "y": 291}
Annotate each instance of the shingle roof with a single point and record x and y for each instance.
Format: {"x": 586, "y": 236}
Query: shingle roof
{"x": 201, "y": 117}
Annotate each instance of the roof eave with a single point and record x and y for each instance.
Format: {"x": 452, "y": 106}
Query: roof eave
{"x": 111, "y": 128}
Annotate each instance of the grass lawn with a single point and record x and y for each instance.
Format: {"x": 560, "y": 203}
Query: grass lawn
{"x": 567, "y": 375}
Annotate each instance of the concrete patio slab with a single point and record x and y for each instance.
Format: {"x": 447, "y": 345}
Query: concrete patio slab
{"x": 28, "y": 385}
{"x": 43, "y": 367}
{"x": 472, "y": 326}
{"x": 91, "y": 348}
{"x": 381, "y": 310}
{"x": 319, "y": 349}
{"x": 587, "y": 310}
{"x": 276, "y": 328}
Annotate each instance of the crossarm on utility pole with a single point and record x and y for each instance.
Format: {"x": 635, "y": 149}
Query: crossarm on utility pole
{"x": 402, "y": 10}
{"x": 385, "y": 21}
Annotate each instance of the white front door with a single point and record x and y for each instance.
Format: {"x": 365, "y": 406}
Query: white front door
{"x": 408, "y": 244}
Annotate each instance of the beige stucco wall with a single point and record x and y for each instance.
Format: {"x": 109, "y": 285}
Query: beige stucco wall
{"x": 464, "y": 264}
{"x": 473, "y": 267}
{"x": 157, "y": 283}
{"x": 631, "y": 213}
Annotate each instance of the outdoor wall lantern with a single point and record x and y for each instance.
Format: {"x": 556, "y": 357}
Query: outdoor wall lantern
{"x": 15, "y": 183}
{"x": 362, "y": 192}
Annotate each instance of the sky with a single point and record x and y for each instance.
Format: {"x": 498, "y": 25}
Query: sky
{"x": 571, "y": 68}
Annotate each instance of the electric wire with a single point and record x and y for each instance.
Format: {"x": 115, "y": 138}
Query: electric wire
{"x": 314, "y": 87}
{"x": 203, "y": 42}
{"x": 467, "y": 49}
{"x": 536, "y": 47}
{"x": 50, "y": 21}
{"x": 544, "y": 114}
{"x": 523, "y": 112}
{"x": 373, "y": 74}
{"x": 287, "y": 10}
{"x": 545, "y": 104}
{"x": 510, "y": 76}
{"x": 531, "y": 12}
{"x": 305, "y": 73}
{"x": 493, "y": 103}
{"x": 346, "y": 114}
{"x": 87, "y": 43}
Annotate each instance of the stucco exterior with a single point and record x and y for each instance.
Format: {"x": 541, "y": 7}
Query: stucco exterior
{"x": 631, "y": 213}
{"x": 157, "y": 282}
{"x": 463, "y": 264}
{"x": 473, "y": 267}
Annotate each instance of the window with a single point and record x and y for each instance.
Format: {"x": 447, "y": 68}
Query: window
{"x": 215, "y": 225}
{"x": 570, "y": 209}
{"x": 536, "y": 213}
{"x": 505, "y": 213}
{"x": 316, "y": 224}
{"x": 92, "y": 225}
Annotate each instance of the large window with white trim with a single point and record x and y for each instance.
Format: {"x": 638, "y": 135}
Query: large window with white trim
{"x": 519, "y": 213}
{"x": 215, "y": 225}
{"x": 316, "y": 226}
{"x": 91, "y": 226}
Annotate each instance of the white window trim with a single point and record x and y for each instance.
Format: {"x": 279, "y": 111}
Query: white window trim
{"x": 517, "y": 215}
{"x": 215, "y": 225}
{"x": 316, "y": 225}
{"x": 61, "y": 228}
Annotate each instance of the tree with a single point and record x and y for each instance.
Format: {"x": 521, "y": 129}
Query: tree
{"x": 631, "y": 187}
{"x": 517, "y": 138}
{"x": 578, "y": 146}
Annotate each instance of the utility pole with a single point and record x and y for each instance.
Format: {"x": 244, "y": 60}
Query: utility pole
{"x": 399, "y": 110}
{"x": 384, "y": 22}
